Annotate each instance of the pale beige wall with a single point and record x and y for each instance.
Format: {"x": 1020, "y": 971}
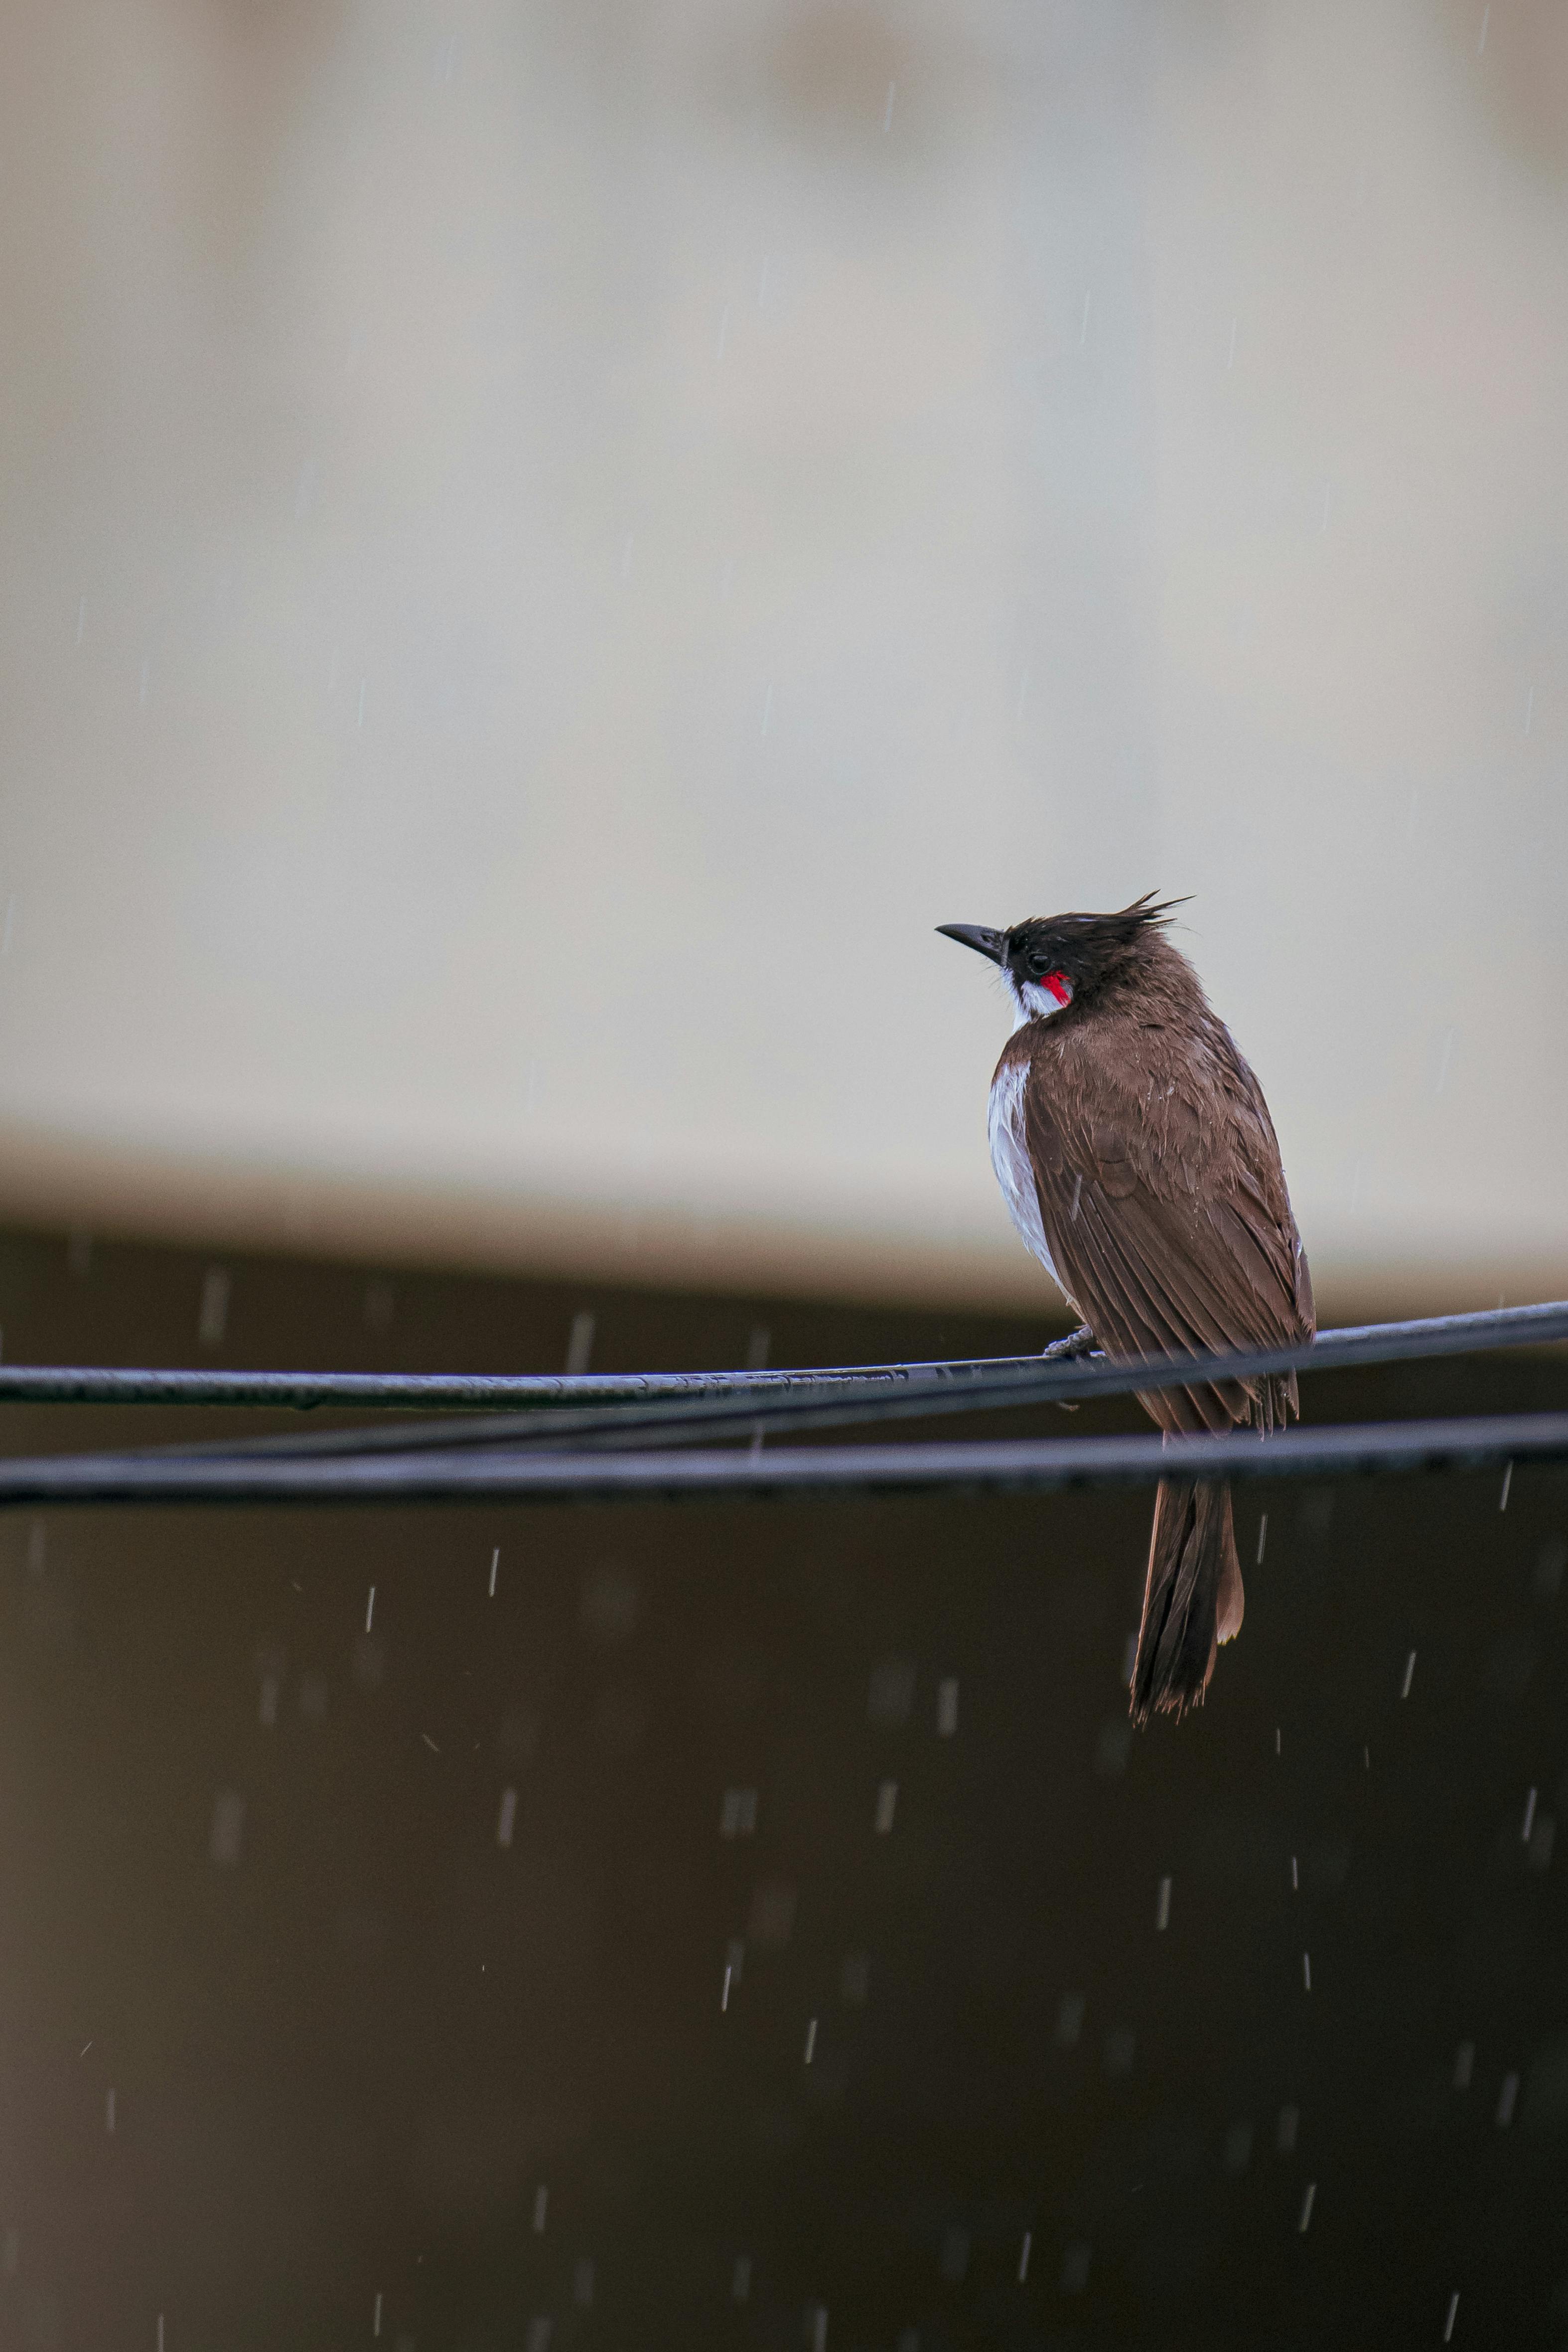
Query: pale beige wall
{"x": 544, "y": 547}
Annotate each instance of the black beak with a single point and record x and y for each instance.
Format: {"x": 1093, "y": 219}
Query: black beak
{"x": 975, "y": 935}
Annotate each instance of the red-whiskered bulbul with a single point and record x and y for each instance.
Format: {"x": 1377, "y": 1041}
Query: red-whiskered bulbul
{"x": 1138, "y": 1162}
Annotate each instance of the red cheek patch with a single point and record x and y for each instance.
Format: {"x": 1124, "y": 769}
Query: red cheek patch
{"x": 1057, "y": 984}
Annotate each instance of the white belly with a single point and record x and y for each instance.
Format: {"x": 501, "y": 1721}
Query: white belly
{"x": 1010, "y": 1159}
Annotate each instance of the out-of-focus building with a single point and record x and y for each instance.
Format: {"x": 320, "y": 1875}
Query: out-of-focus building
{"x": 545, "y": 548}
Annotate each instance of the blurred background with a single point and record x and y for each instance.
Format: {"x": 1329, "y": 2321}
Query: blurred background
{"x": 545, "y": 548}
{"x": 542, "y": 548}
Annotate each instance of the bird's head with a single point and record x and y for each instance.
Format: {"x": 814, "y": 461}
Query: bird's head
{"x": 1055, "y": 960}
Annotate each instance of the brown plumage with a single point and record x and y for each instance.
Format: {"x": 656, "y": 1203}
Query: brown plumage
{"x": 1164, "y": 1214}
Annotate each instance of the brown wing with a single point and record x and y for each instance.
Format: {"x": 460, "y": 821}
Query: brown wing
{"x": 1167, "y": 1217}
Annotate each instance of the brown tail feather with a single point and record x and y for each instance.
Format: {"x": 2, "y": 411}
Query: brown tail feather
{"x": 1192, "y": 1598}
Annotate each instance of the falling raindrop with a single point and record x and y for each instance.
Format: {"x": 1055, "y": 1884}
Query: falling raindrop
{"x": 580, "y": 1346}
{"x": 1070, "y": 2020}
{"x": 212, "y": 1320}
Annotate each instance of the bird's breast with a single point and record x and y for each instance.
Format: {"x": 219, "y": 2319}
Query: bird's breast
{"x": 1009, "y": 1158}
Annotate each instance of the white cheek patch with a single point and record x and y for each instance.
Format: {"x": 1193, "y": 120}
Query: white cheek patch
{"x": 1038, "y": 999}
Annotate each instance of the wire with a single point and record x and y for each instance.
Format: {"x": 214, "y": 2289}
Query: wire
{"x": 967, "y": 1382}
{"x": 827, "y": 1401}
{"x": 1026, "y": 1465}
{"x": 433, "y": 1391}
{"x": 551, "y": 1448}
{"x": 834, "y": 1401}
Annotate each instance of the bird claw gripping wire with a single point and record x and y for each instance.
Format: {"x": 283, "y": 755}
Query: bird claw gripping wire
{"x": 1077, "y": 1343}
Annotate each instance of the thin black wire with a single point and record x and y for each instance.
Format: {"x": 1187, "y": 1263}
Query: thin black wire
{"x": 662, "y": 1397}
{"x": 835, "y": 1401}
{"x": 1027, "y": 1466}
{"x": 432, "y": 1392}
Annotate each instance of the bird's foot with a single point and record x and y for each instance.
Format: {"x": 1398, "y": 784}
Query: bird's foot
{"x": 1062, "y": 1352}
{"x": 1077, "y": 1343}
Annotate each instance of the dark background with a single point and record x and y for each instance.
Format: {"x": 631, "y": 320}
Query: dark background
{"x": 252, "y": 1888}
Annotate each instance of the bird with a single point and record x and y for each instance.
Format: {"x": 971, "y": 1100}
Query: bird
{"x": 1138, "y": 1162}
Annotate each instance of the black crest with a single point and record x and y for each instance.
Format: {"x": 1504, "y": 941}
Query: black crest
{"x": 1090, "y": 949}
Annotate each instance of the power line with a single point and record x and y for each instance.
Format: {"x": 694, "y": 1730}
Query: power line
{"x": 832, "y": 1400}
{"x": 970, "y": 1381}
{"x": 439, "y": 1392}
{"x": 1024, "y": 1466}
